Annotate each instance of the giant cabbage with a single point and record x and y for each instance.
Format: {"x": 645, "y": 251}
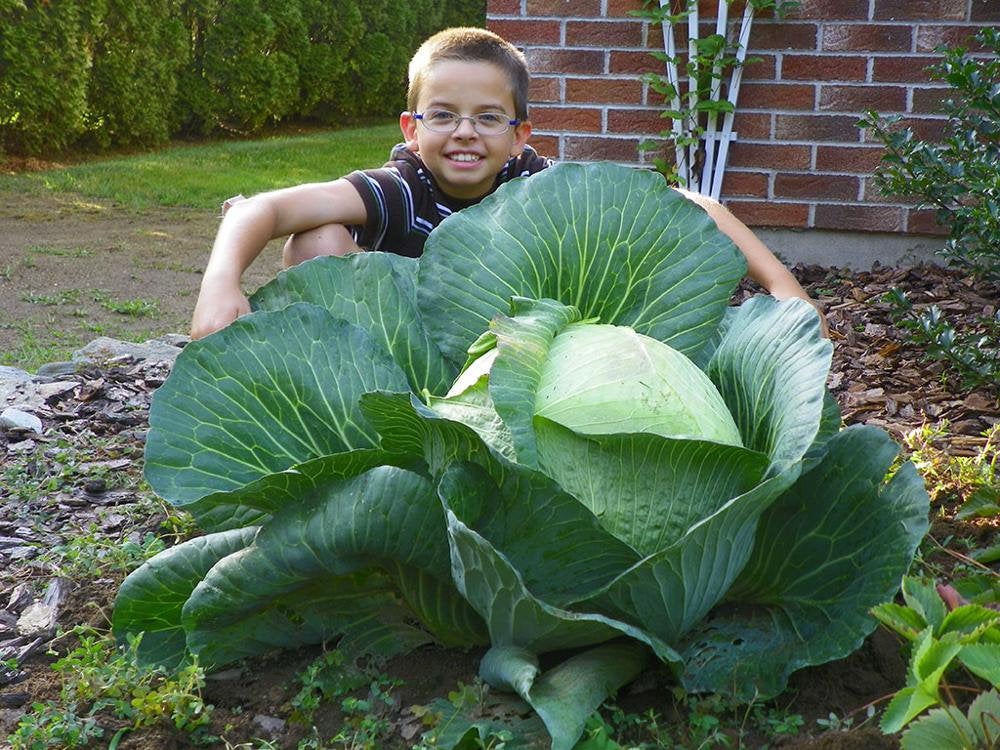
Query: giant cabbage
{"x": 549, "y": 433}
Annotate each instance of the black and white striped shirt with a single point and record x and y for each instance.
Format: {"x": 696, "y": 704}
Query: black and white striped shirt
{"x": 403, "y": 202}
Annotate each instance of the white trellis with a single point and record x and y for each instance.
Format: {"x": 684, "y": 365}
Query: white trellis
{"x": 704, "y": 176}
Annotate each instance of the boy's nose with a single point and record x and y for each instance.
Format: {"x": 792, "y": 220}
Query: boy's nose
{"x": 466, "y": 128}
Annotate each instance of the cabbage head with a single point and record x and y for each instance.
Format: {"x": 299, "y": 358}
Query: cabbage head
{"x": 551, "y": 433}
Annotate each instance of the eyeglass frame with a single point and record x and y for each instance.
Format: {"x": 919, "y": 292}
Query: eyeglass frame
{"x": 458, "y": 121}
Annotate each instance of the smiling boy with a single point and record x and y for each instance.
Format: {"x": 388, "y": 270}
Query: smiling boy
{"x": 465, "y": 133}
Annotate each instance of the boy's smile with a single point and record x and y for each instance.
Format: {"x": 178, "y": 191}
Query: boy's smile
{"x": 465, "y": 163}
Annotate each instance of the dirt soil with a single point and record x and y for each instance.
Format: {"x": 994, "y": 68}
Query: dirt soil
{"x": 52, "y": 245}
{"x": 72, "y": 269}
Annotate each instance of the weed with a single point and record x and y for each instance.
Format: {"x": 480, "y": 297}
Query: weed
{"x": 137, "y": 308}
{"x": 92, "y": 554}
{"x": 974, "y": 356}
{"x": 65, "y": 297}
{"x": 103, "y": 680}
{"x": 63, "y": 252}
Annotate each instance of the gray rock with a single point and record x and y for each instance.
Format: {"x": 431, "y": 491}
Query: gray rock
{"x": 15, "y": 419}
{"x": 55, "y": 371}
{"x": 10, "y": 379}
{"x": 24, "y": 446}
{"x": 37, "y": 619}
{"x": 104, "y": 350}
{"x": 270, "y": 724}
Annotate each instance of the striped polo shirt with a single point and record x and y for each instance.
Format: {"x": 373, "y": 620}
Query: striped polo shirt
{"x": 404, "y": 203}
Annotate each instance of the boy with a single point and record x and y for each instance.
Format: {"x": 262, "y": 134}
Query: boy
{"x": 465, "y": 133}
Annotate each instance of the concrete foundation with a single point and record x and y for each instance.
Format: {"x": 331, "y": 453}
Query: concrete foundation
{"x": 858, "y": 251}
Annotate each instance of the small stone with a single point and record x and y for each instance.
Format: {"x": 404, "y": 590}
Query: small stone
{"x": 95, "y": 486}
{"x": 15, "y": 419}
{"x": 270, "y": 724}
{"x": 23, "y": 446}
{"x": 55, "y": 370}
{"x": 37, "y": 619}
{"x": 20, "y": 597}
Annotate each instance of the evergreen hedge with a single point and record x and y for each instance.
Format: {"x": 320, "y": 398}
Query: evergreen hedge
{"x": 105, "y": 73}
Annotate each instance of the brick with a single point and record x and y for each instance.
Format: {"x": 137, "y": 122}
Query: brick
{"x": 770, "y": 213}
{"x": 816, "y": 186}
{"x": 643, "y": 121}
{"x": 929, "y": 38}
{"x": 583, "y": 148}
{"x": 797, "y": 36}
{"x": 576, "y": 8}
{"x": 871, "y": 193}
{"x": 502, "y": 8}
{"x": 546, "y": 145}
{"x": 841, "y": 10}
{"x": 855, "y": 159}
{"x": 924, "y": 221}
{"x": 769, "y": 156}
{"x": 752, "y": 126}
{"x": 846, "y": 37}
{"x": 522, "y": 32}
{"x": 840, "y": 98}
{"x": 860, "y": 218}
{"x": 985, "y": 11}
{"x": 816, "y": 128}
{"x": 551, "y": 60}
{"x": 621, "y": 8}
{"x": 925, "y": 128}
{"x": 771, "y": 96}
{"x": 919, "y": 10}
{"x": 604, "y": 90}
{"x": 621, "y": 62}
{"x": 910, "y": 69}
{"x": 604, "y": 33}
{"x": 545, "y": 89}
{"x": 763, "y": 68}
{"x": 929, "y": 100}
{"x": 745, "y": 184}
{"x": 823, "y": 68}
{"x": 566, "y": 118}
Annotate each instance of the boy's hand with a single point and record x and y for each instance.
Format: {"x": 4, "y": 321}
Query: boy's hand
{"x": 217, "y": 306}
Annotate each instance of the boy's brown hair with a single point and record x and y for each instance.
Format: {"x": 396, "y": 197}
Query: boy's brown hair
{"x": 469, "y": 44}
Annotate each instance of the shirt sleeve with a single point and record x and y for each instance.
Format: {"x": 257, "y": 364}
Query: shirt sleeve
{"x": 389, "y": 209}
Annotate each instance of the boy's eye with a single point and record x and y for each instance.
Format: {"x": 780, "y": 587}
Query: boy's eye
{"x": 493, "y": 119}
{"x": 442, "y": 116}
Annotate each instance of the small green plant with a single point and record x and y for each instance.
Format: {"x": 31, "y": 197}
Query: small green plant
{"x": 66, "y": 297}
{"x": 137, "y": 308}
{"x": 103, "y": 684}
{"x": 958, "y": 176}
{"x": 329, "y": 676}
{"x": 946, "y": 633}
{"x": 92, "y": 554}
{"x": 972, "y": 355}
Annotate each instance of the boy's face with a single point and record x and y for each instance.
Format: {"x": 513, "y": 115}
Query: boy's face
{"x": 464, "y": 163}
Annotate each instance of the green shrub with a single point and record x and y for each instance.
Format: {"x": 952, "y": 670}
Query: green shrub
{"x": 958, "y": 176}
{"x": 114, "y": 73}
{"x": 45, "y": 56}
{"x": 133, "y": 82}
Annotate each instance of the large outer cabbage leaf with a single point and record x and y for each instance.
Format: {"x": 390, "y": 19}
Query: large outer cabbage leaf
{"x": 827, "y": 551}
{"x": 376, "y": 292}
{"x": 617, "y": 244}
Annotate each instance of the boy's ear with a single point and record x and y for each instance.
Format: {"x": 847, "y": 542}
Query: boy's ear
{"x": 522, "y": 132}
{"x": 408, "y": 125}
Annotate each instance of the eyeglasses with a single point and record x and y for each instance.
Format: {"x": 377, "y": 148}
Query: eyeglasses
{"x": 485, "y": 123}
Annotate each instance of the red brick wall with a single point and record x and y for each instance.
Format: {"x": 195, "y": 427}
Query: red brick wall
{"x": 800, "y": 160}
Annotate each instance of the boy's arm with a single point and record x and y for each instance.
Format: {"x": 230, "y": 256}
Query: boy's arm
{"x": 248, "y": 226}
{"x": 762, "y": 266}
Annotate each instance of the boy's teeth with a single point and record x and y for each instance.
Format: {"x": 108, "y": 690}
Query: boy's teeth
{"x": 465, "y": 157}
